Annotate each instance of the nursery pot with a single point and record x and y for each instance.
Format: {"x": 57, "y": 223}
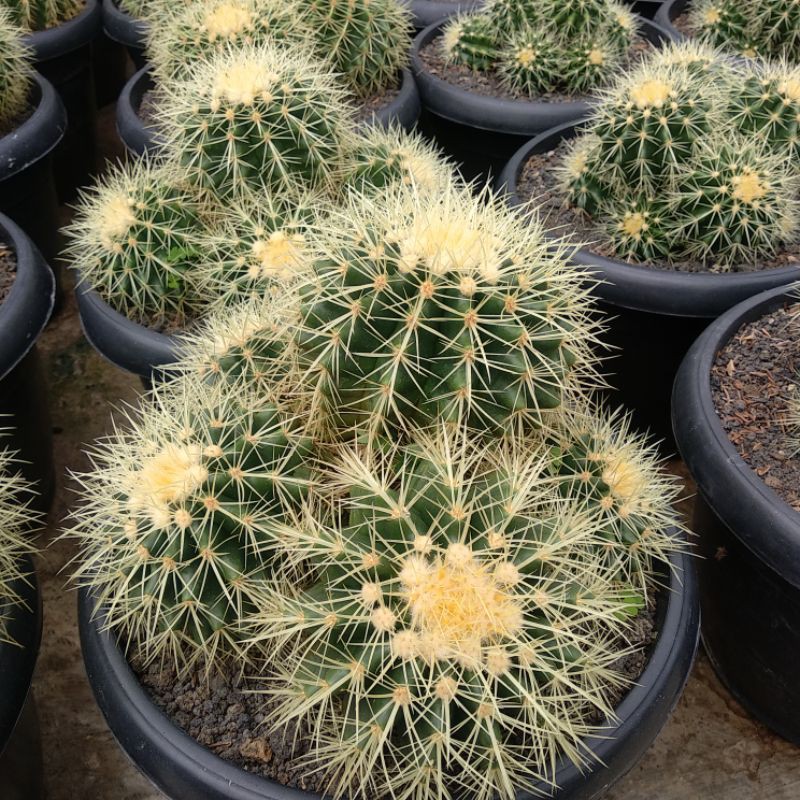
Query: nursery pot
{"x": 426, "y": 12}
{"x": 653, "y": 315}
{"x": 124, "y": 343}
{"x": 481, "y": 133}
{"x": 750, "y": 575}
{"x": 126, "y": 30}
{"x": 20, "y": 745}
{"x": 63, "y": 54}
{"x": 185, "y": 770}
{"x": 27, "y": 190}
{"x": 23, "y": 387}
{"x": 138, "y": 138}
{"x": 666, "y": 15}
{"x": 109, "y": 65}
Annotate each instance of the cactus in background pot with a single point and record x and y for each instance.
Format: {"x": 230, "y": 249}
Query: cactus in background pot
{"x": 39, "y": 15}
{"x": 136, "y": 240}
{"x": 176, "y": 517}
{"x": 471, "y": 40}
{"x": 15, "y": 73}
{"x": 260, "y": 117}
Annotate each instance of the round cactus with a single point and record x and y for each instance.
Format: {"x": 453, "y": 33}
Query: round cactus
{"x": 590, "y": 61}
{"x": 366, "y": 40}
{"x": 639, "y": 231}
{"x": 723, "y": 23}
{"x": 198, "y": 31}
{"x": 767, "y": 106}
{"x": 39, "y": 15}
{"x": 16, "y": 521}
{"x": 426, "y": 308}
{"x": 380, "y": 158}
{"x": 136, "y": 239}
{"x": 735, "y": 202}
{"x": 260, "y": 117}
{"x": 531, "y": 62}
{"x": 176, "y": 519}
{"x": 450, "y": 631}
{"x": 15, "y": 72}
{"x": 471, "y": 40}
{"x": 777, "y": 23}
{"x": 580, "y": 175}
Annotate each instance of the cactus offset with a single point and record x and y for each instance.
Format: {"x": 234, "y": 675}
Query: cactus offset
{"x": 15, "y": 72}
{"x": 176, "y": 518}
{"x": 639, "y": 232}
{"x": 530, "y": 62}
{"x": 581, "y": 175}
{"x": 136, "y": 240}
{"x": 261, "y": 118}
{"x": 722, "y": 23}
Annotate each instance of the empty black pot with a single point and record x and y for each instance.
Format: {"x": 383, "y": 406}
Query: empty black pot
{"x": 481, "y": 133}
{"x": 20, "y": 744}
{"x": 654, "y": 315}
{"x": 669, "y": 11}
{"x": 749, "y": 537}
{"x": 23, "y": 387}
{"x": 128, "y": 31}
{"x": 185, "y": 770}
{"x": 63, "y": 54}
{"x": 139, "y": 138}
{"x": 27, "y": 191}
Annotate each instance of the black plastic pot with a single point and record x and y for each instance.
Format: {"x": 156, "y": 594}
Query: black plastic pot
{"x": 185, "y": 770}
{"x": 64, "y": 56}
{"x": 126, "y": 344}
{"x": 653, "y": 315}
{"x": 20, "y": 745}
{"x": 647, "y": 8}
{"x": 23, "y": 387}
{"x": 670, "y": 10}
{"x": 481, "y": 133}
{"x": 128, "y": 31}
{"x": 27, "y": 191}
{"x": 139, "y": 138}
{"x": 750, "y": 576}
{"x": 109, "y": 65}
{"x": 426, "y": 12}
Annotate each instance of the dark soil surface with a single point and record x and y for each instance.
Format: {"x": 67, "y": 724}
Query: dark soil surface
{"x": 8, "y": 270}
{"x": 489, "y": 83}
{"x": 681, "y": 22}
{"x": 147, "y": 107}
{"x": 752, "y": 381}
{"x": 539, "y": 181}
{"x": 227, "y": 716}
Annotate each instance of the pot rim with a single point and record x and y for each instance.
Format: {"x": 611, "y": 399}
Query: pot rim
{"x": 494, "y": 114}
{"x": 765, "y": 523}
{"x": 17, "y": 661}
{"x": 639, "y": 288}
{"x": 121, "y": 27}
{"x": 68, "y": 36}
{"x": 29, "y": 304}
{"x": 427, "y": 11}
{"x": 669, "y": 10}
{"x": 404, "y": 110}
{"x": 147, "y": 734}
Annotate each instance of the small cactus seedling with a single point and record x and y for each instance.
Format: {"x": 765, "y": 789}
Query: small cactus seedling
{"x": 16, "y": 521}
{"x": 449, "y": 632}
{"x": 200, "y": 30}
{"x": 365, "y": 40}
{"x": 638, "y": 232}
{"x": 39, "y": 15}
{"x": 471, "y": 40}
{"x": 15, "y": 72}
{"x": 259, "y": 117}
{"x": 429, "y": 307}
{"x": 176, "y": 517}
{"x": 136, "y": 240}
{"x": 767, "y": 106}
{"x": 380, "y": 158}
{"x": 531, "y": 61}
{"x": 736, "y": 203}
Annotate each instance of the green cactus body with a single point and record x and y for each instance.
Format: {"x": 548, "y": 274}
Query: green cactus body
{"x": 366, "y": 40}
{"x": 722, "y": 23}
{"x": 440, "y": 608}
{"x": 439, "y": 308}
{"x": 576, "y": 17}
{"x": 639, "y": 232}
{"x": 261, "y": 118}
{"x": 777, "y": 23}
{"x": 767, "y": 106}
{"x": 581, "y": 175}
{"x": 531, "y": 62}
{"x": 736, "y": 202}
{"x": 198, "y": 31}
{"x": 39, "y": 15}
{"x": 136, "y": 240}
{"x": 15, "y": 73}
{"x": 176, "y": 520}
{"x": 590, "y": 62}
{"x": 471, "y": 40}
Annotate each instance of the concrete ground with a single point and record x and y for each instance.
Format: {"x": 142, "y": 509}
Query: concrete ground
{"x": 710, "y": 749}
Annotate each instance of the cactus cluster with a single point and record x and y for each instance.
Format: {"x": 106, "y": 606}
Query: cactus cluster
{"x": 39, "y": 15}
{"x": 678, "y": 162}
{"x": 15, "y": 72}
{"x": 767, "y": 29}
{"x": 16, "y": 523}
{"x": 539, "y": 46}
